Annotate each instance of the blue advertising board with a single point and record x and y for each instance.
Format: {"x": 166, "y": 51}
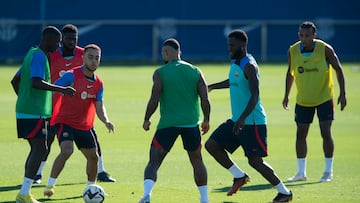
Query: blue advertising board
{"x": 134, "y": 30}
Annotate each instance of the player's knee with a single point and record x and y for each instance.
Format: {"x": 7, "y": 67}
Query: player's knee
{"x": 93, "y": 157}
{"x": 40, "y": 152}
{"x": 210, "y": 145}
{"x": 326, "y": 133}
{"x": 255, "y": 162}
{"x": 66, "y": 152}
{"x": 96, "y": 158}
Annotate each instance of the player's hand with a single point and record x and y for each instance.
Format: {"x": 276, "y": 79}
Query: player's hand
{"x": 285, "y": 103}
{"x": 110, "y": 126}
{"x": 342, "y": 101}
{"x": 238, "y": 126}
{"x": 146, "y": 125}
{"x": 205, "y": 126}
{"x": 69, "y": 91}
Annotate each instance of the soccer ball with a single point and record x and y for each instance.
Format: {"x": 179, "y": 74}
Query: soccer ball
{"x": 93, "y": 194}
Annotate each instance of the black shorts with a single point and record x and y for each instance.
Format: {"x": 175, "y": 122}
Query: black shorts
{"x": 32, "y": 128}
{"x": 82, "y": 138}
{"x": 51, "y": 129}
{"x": 325, "y": 112}
{"x": 166, "y": 137}
{"x": 252, "y": 138}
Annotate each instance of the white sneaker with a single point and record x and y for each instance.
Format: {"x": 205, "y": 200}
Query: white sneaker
{"x": 145, "y": 199}
{"x": 297, "y": 177}
{"x": 327, "y": 176}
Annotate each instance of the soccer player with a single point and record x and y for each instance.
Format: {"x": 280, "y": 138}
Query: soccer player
{"x": 310, "y": 61}
{"x": 33, "y": 106}
{"x": 247, "y": 127}
{"x": 177, "y": 86}
{"x": 74, "y": 122}
{"x": 66, "y": 57}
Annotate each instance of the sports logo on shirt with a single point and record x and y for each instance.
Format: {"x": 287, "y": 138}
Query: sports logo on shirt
{"x": 61, "y": 73}
{"x": 302, "y": 69}
{"x": 86, "y": 95}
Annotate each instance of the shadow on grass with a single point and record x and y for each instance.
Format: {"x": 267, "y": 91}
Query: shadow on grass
{"x": 59, "y": 199}
{"x": 301, "y": 183}
{"x": 265, "y": 186}
{"x": 17, "y": 187}
{"x": 57, "y": 185}
{"x": 229, "y": 202}
{"x": 246, "y": 188}
{"x": 9, "y": 188}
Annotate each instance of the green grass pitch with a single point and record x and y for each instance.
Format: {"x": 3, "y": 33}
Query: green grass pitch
{"x": 127, "y": 90}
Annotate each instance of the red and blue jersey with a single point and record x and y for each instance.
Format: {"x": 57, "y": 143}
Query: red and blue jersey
{"x": 59, "y": 65}
{"x": 78, "y": 111}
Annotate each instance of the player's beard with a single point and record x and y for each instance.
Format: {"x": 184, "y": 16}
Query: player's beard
{"x": 90, "y": 69}
{"x": 69, "y": 50}
{"x": 237, "y": 53}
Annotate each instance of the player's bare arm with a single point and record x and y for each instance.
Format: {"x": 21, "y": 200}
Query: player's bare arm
{"x": 288, "y": 84}
{"x": 333, "y": 59}
{"x": 15, "y": 83}
{"x": 102, "y": 115}
{"x": 219, "y": 85}
{"x": 39, "y": 83}
{"x": 153, "y": 101}
{"x": 205, "y": 104}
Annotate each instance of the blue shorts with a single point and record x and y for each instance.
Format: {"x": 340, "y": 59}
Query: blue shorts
{"x": 31, "y": 128}
{"x": 166, "y": 137}
{"x": 82, "y": 138}
{"x": 325, "y": 112}
{"x": 252, "y": 138}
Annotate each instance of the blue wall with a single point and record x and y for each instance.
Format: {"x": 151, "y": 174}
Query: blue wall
{"x": 199, "y": 42}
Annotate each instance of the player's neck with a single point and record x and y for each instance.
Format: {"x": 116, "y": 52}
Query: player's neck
{"x": 87, "y": 72}
{"x": 307, "y": 48}
{"x": 67, "y": 52}
{"x": 238, "y": 59}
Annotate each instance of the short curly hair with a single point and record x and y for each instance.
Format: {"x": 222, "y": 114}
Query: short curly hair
{"x": 69, "y": 28}
{"x": 239, "y": 35}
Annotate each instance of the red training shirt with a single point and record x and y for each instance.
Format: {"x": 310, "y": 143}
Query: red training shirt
{"x": 79, "y": 111}
{"x": 59, "y": 65}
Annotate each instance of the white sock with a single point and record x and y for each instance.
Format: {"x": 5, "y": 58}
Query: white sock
{"x": 41, "y": 168}
{"x": 203, "y": 193}
{"x": 100, "y": 165}
{"x": 148, "y": 186}
{"x": 91, "y": 182}
{"x": 236, "y": 171}
{"x": 301, "y": 162}
{"x": 51, "y": 181}
{"x": 281, "y": 188}
{"x": 26, "y": 186}
{"x": 329, "y": 164}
